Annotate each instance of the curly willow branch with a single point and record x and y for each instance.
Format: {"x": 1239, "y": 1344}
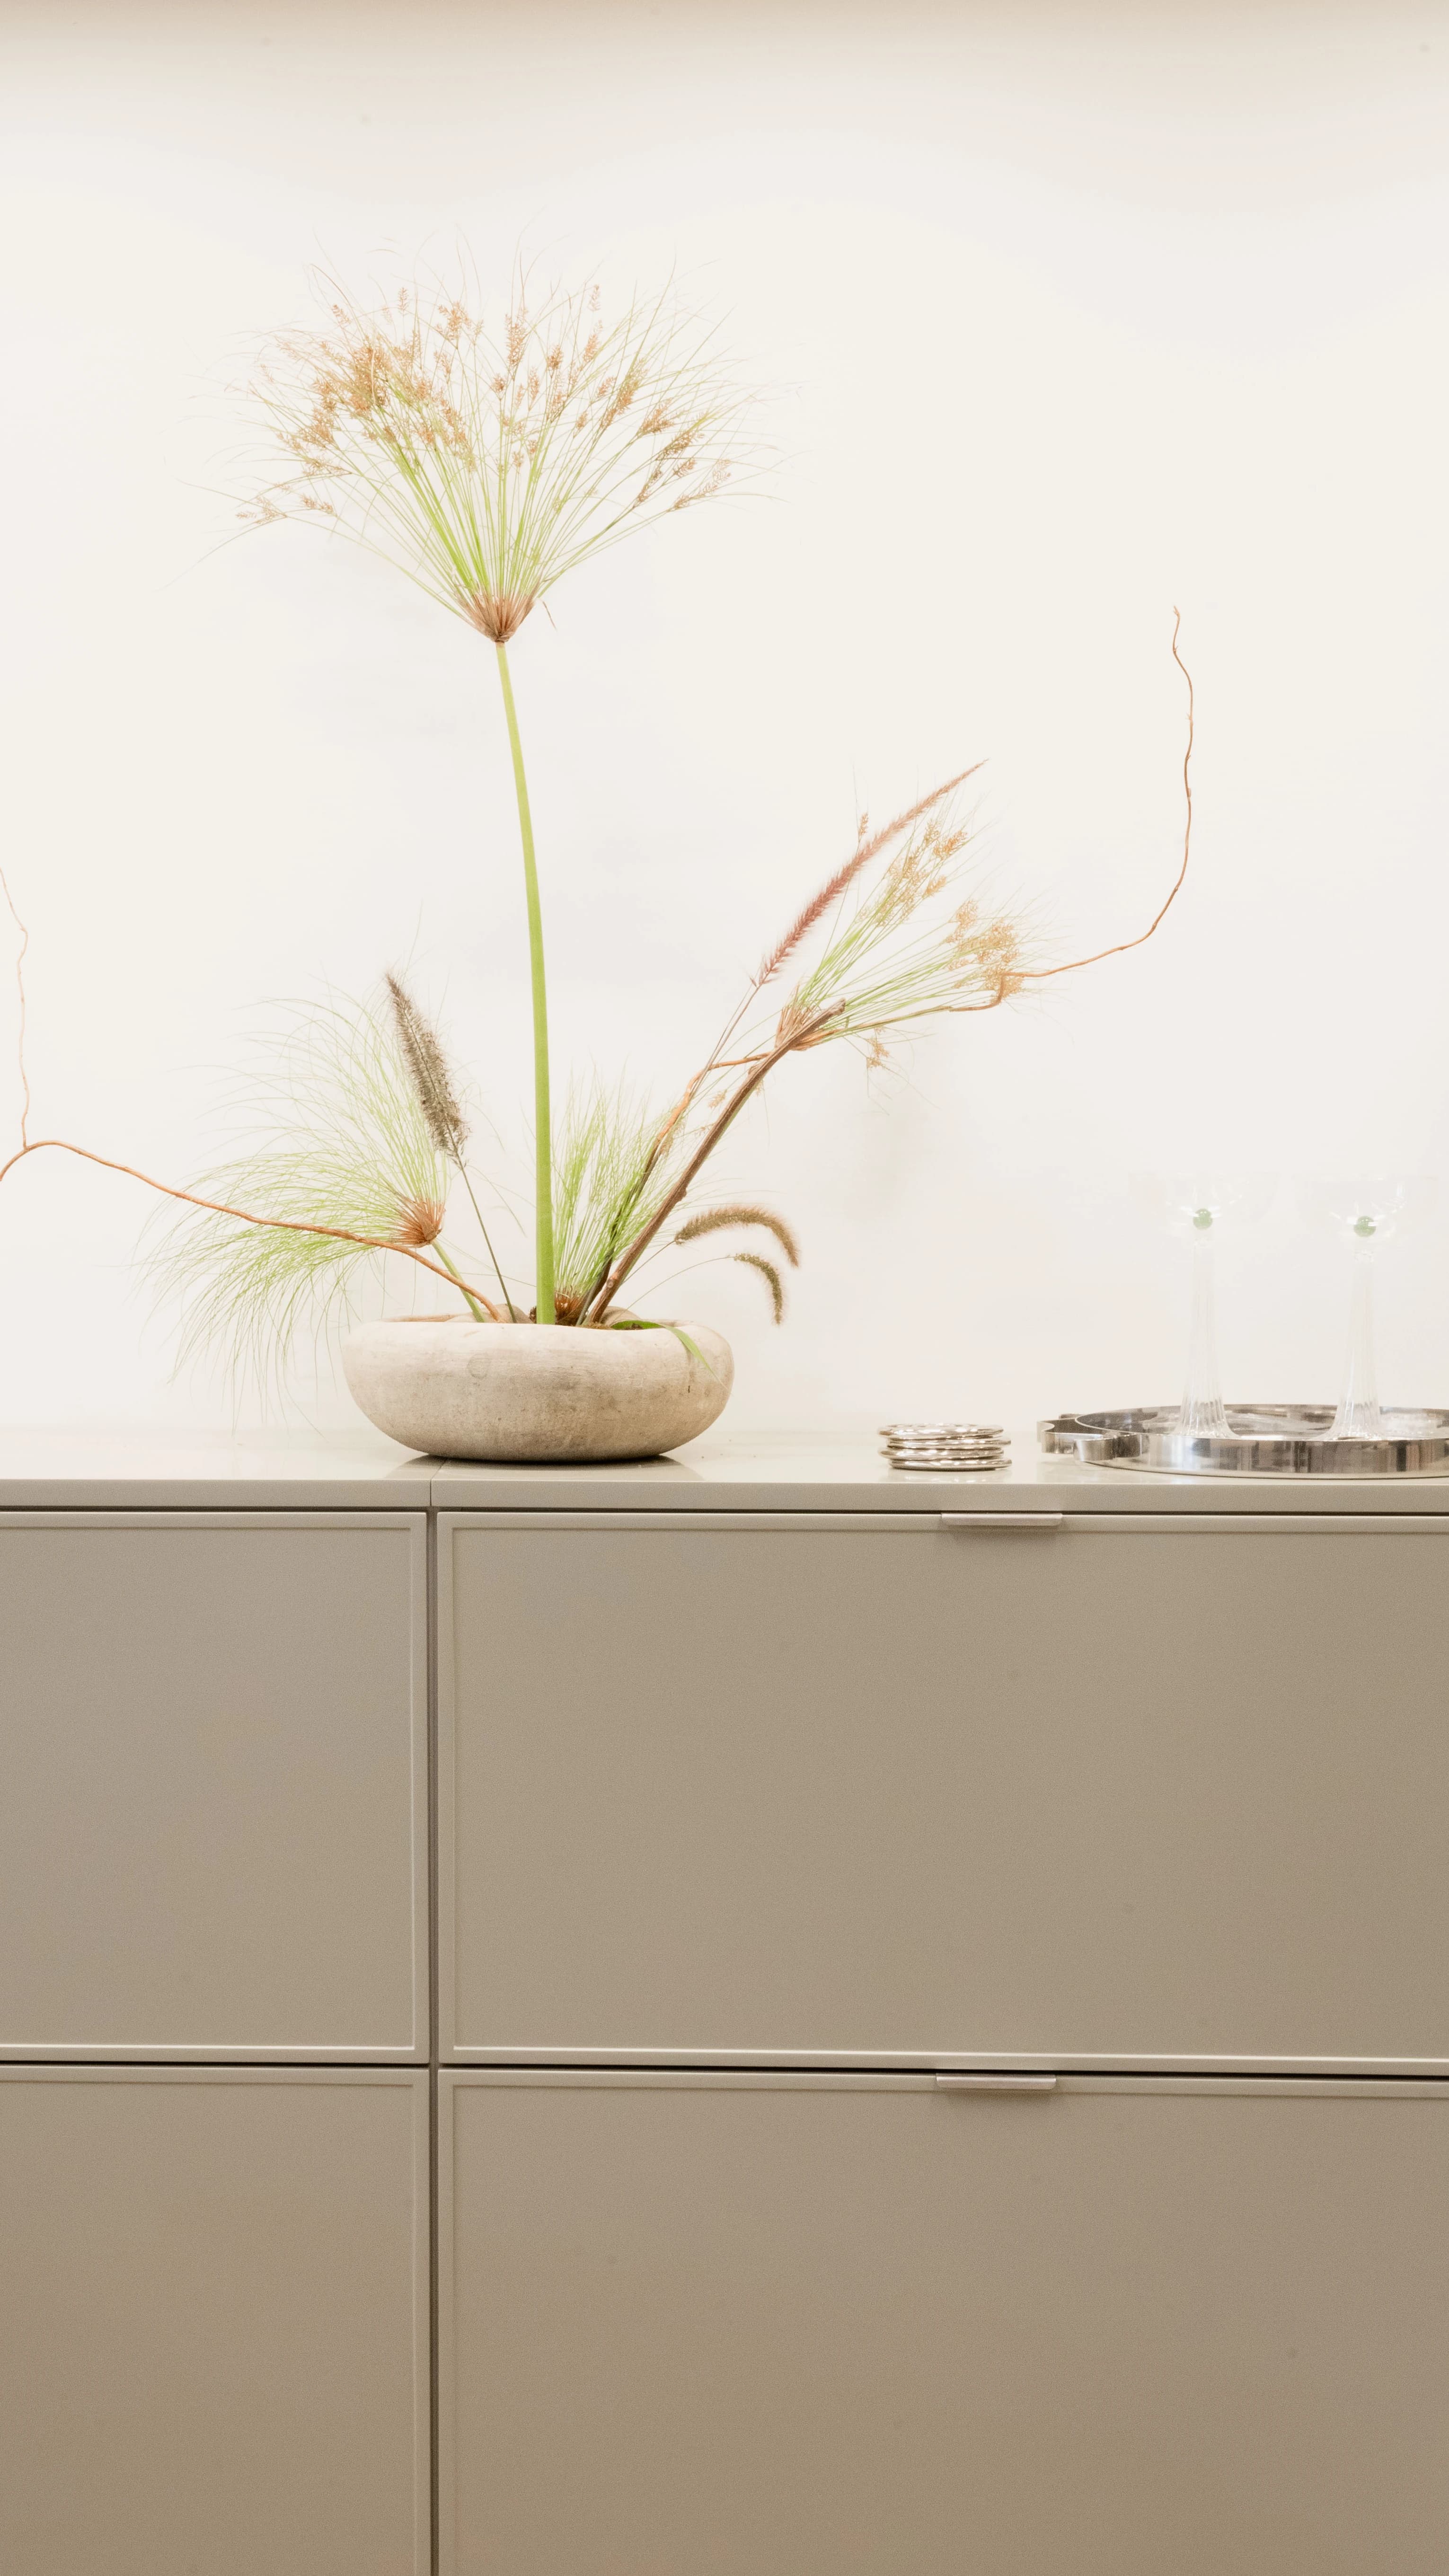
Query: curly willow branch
{"x": 1040, "y": 974}
{"x": 284, "y": 1224}
{"x": 20, "y": 989}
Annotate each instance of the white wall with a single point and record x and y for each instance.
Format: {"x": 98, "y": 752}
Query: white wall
{"x": 1075, "y": 313}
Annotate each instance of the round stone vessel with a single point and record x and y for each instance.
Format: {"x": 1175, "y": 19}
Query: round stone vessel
{"x": 545, "y": 1393}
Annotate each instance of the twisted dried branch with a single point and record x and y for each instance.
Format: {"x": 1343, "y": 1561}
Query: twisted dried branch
{"x": 20, "y": 989}
{"x": 244, "y": 1216}
{"x": 1040, "y": 974}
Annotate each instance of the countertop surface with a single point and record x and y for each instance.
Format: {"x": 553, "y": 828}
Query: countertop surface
{"x": 114, "y": 1468}
{"x": 117, "y": 1468}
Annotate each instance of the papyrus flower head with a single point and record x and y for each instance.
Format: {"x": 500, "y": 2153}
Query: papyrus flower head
{"x": 488, "y": 454}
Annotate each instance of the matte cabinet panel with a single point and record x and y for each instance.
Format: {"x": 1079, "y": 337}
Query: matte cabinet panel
{"x": 214, "y": 2355}
{"x": 800, "y": 1790}
{"x": 213, "y": 1786}
{"x": 854, "y": 2326}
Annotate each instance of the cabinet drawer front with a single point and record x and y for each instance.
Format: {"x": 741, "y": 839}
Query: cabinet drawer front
{"x": 215, "y": 2294}
{"x": 213, "y": 1786}
{"x": 859, "y": 2326}
{"x": 832, "y": 1792}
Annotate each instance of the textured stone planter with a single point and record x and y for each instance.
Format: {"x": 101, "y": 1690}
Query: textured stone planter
{"x": 517, "y": 1392}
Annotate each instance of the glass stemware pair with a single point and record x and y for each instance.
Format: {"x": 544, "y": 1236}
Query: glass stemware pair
{"x": 1363, "y": 1212}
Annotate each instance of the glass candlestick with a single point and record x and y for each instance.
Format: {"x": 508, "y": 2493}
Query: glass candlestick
{"x": 1202, "y": 1407}
{"x": 1358, "y": 1416}
{"x": 1197, "y": 1207}
{"x": 1365, "y": 1213}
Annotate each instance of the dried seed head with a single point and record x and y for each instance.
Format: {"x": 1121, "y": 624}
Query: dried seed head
{"x": 499, "y": 616}
{"x": 715, "y": 1220}
{"x": 771, "y": 1277}
{"x": 486, "y": 455}
{"x": 420, "y": 1222}
{"x": 430, "y": 1074}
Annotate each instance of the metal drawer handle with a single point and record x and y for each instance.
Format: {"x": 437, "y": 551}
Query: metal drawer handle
{"x": 1003, "y": 1520}
{"x": 995, "y": 2083}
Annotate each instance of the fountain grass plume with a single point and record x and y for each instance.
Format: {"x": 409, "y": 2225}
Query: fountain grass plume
{"x": 431, "y": 1074}
{"x": 345, "y": 1166}
{"x": 770, "y": 1273}
{"x": 436, "y": 1092}
{"x": 737, "y": 1213}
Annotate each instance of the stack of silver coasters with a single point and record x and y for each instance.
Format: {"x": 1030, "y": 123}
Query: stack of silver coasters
{"x": 931, "y": 1447}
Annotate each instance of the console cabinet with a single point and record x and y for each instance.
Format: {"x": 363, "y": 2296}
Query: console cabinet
{"x": 939, "y": 2054}
{"x": 213, "y": 1786}
{"x": 814, "y": 2325}
{"x": 214, "y": 2286}
{"x": 855, "y": 1789}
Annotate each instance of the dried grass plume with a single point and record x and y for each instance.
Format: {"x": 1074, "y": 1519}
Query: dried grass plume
{"x": 771, "y": 1276}
{"x": 713, "y": 1220}
{"x": 430, "y": 1072}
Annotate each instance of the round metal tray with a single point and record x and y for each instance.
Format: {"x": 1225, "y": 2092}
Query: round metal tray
{"x": 1262, "y": 1440}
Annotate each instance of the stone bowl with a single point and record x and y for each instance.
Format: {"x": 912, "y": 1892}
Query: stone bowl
{"x": 542, "y": 1393}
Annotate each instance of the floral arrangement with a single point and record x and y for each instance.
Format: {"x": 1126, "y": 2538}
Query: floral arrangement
{"x": 486, "y": 455}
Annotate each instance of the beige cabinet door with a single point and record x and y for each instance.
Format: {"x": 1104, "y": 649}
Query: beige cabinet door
{"x": 213, "y": 1785}
{"x": 805, "y": 2325}
{"x": 841, "y": 1791}
{"x": 214, "y": 2293}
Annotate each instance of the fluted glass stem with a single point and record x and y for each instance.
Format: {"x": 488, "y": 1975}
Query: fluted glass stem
{"x": 1203, "y": 1410}
{"x": 1358, "y": 1416}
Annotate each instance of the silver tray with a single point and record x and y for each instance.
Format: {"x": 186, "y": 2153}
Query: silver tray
{"x": 1262, "y": 1440}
